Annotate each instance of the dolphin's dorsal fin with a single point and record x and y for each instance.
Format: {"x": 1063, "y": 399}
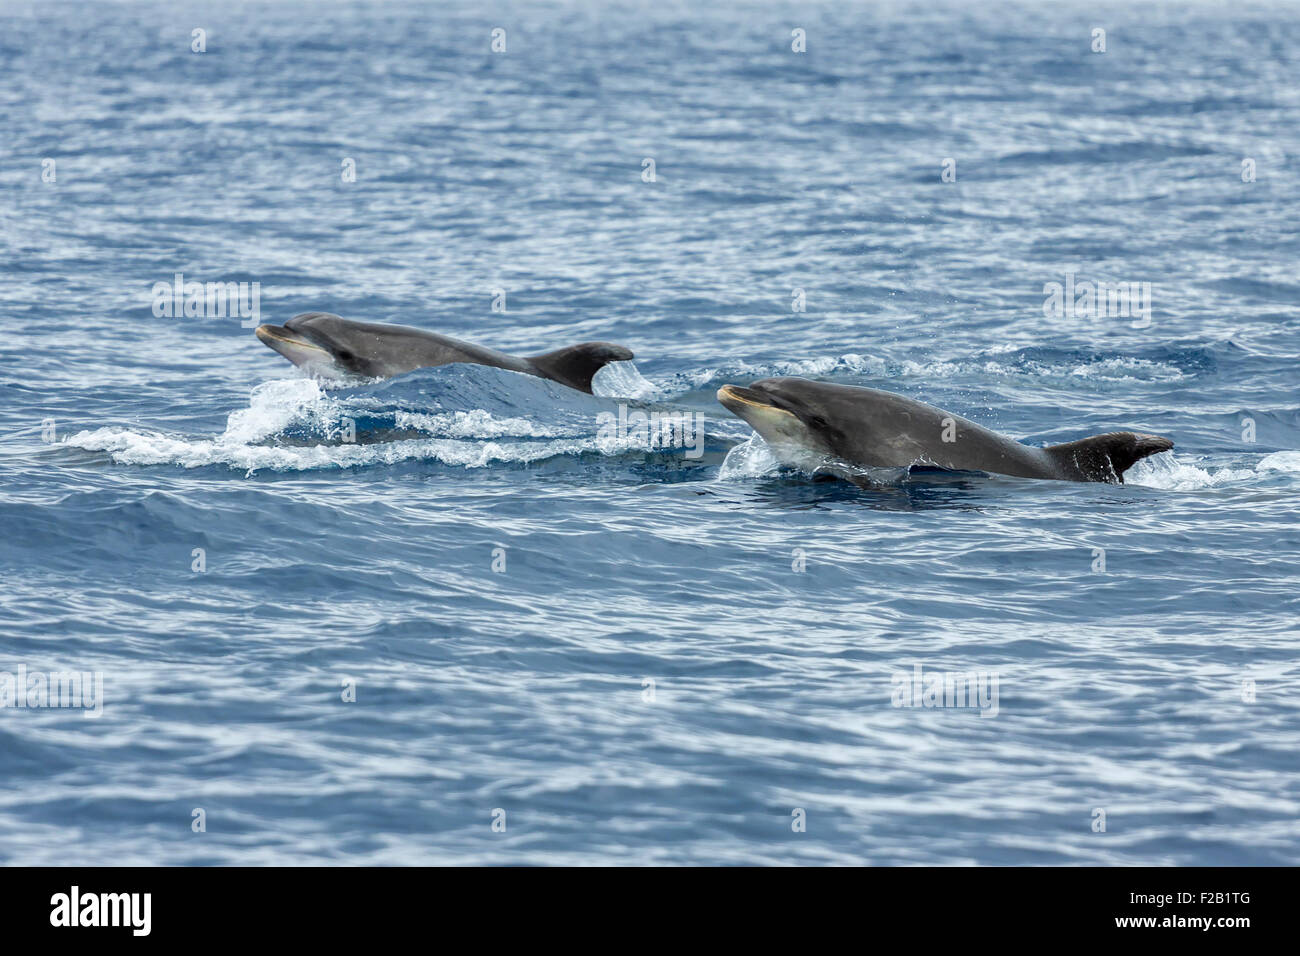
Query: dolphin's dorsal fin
{"x": 1105, "y": 457}
{"x": 574, "y": 366}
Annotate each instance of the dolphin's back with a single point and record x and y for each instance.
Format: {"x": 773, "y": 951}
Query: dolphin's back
{"x": 894, "y": 431}
{"x": 389, "y": 350}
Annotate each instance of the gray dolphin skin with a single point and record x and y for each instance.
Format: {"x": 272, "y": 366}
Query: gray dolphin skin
{"x": 322, "y": 342}
{"x": 803, "y": 421}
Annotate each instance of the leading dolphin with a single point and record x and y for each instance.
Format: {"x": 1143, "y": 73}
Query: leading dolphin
{"x": 804, "y": 421}
{"x": 320, "y": 341}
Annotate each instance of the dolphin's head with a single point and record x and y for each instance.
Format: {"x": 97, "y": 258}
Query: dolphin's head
{"x": 790, "y": 413}
{"x": 324, "y": 344}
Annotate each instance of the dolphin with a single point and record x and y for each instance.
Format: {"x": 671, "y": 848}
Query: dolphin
{"x": 322, "y": 342}
{"x": 806, "y": 422}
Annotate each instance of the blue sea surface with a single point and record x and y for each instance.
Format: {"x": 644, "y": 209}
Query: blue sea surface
{"x": 453, "y": 617}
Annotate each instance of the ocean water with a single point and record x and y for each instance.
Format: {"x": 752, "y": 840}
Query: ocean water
{"x": 453, "y": 617}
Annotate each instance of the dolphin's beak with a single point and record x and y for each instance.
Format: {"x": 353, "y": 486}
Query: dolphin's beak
{"x": 790, "y": 439}
{"x": 296, "y": 348}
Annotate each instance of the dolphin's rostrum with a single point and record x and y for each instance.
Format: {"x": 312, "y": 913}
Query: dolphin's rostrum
{"x": 320, "y": 341}
{"x": 804, "y": 421}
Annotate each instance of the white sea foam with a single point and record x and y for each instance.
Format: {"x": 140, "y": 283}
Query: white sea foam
{"x": 804, "y": 368}
{"x": 1165, "y": 471}
{"x": 274, "y": 406}
{"x": 470, "y": 439}
{"x": 137, "y": 448}
{"x": 475, "y": 423}
{"x": 1127, "y": 370}
{"x": 1288, "y": 461}
{"x": 1102, "y": 370}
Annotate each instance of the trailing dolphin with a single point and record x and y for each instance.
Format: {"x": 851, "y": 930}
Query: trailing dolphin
{"x": 805, "y": 421}
{"x": 319, "y": 341}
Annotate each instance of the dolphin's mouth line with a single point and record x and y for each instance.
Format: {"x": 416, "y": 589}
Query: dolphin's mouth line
{"x": 265, "y": 332}
{"x": 741, "y": 396}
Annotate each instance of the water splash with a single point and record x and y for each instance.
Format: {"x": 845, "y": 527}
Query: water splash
{"x": 1166, "y": 472}
{"x": 749, "y": 459}
{"x": 624, "y": 380}
{"x": 295, "y": 425}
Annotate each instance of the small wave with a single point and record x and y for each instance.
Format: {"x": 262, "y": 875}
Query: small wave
{"x": 475, "y": 423}
{"x": 820, "y": 367}
{"x": 295, "y": 425}
{"x": 1112, "y": 369}
{"x": 1002, "y": 363}
{"x": 1098, "y": 154}
{"x": 1288, "y": 461}
{"x": 1127, "y": 370}
{"x": 137, "y": 448}
{"x": 1095, "y": 368}
{"x": 142, "y": 448}
{"x": 1166, "y": 472}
